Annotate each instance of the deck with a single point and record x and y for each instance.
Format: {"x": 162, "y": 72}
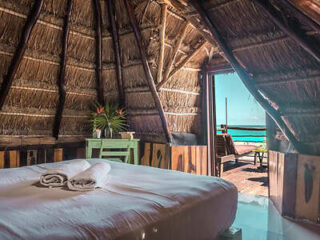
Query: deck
{"x": 247, "y": 177}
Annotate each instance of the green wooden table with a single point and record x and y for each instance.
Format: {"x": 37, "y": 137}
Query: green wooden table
{"x": 110, "y": 144}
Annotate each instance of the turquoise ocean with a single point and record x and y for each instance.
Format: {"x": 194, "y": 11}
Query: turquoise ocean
{"x": 245, "y": 135}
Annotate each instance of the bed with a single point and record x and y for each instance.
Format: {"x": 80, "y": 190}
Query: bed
{"x": 139, "y": 203}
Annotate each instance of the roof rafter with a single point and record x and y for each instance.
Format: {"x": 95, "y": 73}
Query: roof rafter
{"x": 298, "y": 36}
{"x": 182, "y": 64}
{"x": 162, "y": 36}
{"x": 147, "y": 69}
{"x": 62, "y": 73}
{"x": 21, "y": 48}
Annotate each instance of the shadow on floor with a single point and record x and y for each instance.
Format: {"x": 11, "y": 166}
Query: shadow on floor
{"x": 263, "y": 180}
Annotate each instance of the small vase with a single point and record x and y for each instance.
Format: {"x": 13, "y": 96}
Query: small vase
{"x": 98, "y": 131}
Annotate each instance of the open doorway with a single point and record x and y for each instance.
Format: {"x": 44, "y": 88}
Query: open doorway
{"x": 240, "y": 139}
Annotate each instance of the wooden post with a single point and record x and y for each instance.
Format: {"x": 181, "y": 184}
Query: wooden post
{"x": 117, "y": 51}
{"x": 226, "y": 103}
{"x": 297, "y": 36}
{"x": 99, "y": 80}
{"x": 21, "y": 48}
{"x": 62, "y": 73}
{"x": 211, "y": 129}
{"x": 246, "y": 79}
{"x": 164, "y": 8}
{"x": 2, "y": 159}
{"x": 58, "y": 154}
{"x": 147, "y": 69}
{"x": 14, "y": 159}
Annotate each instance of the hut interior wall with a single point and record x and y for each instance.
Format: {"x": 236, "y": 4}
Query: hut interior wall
{"x": 30, "y": 107}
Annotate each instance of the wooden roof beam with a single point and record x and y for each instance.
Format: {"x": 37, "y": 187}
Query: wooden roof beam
{"x": 116, "y": 49}
{"x": 62, "y": 73}
{"x": 99, "y": 81}
{"x": 291, "y": 31}
{"x": 288, "y": 81}
{"x": 147, "y": 69}
{"x": 21, "y": 48}
{"x": 164, "y": 8}
{"x": 174, "y": 54}
{"x": 246, "y": 79}
{"x": 300, "y": 15}
{"x": 181, "y": 65}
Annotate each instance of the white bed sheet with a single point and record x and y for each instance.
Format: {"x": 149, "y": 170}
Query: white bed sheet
{"x": 138, "y": 203}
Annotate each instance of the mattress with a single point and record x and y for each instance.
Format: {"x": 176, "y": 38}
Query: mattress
{"x": 138, "y": 203}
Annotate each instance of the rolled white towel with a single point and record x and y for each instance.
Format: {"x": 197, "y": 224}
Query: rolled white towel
{"x": 58, "y": 177}
{"x": 94, "y": 177}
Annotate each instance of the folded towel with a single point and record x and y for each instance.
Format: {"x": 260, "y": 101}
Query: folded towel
{"x": 58, "y": 177}
{"x": 94, "y": 177}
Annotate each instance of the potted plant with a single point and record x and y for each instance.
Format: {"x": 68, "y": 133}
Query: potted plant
{"x": 108, "y": 118}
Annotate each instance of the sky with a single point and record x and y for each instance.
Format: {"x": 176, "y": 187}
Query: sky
{"x": 243, "y": 109}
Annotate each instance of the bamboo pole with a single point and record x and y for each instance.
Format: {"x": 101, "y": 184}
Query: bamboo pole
{"x": 246, "y": 79}
{"x": 116, "y": 49}
{"x": 147, "y": 69}
{"x": 62, "y": 73}
{"x": 99, "y": 81}
{"x": 181, "y": 65}
{"x": 21, "y": 48}
{"x": 175, "y": 53}
{"x": 164, "y": 8}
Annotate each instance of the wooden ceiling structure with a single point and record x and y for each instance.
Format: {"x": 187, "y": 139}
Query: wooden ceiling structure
{"x": 147, "y": 55}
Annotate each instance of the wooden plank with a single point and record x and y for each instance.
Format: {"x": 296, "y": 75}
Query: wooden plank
{"x": 273, "y": 163}
{"x": 62, "y": 73}
{"x": 193, "y": 157}
{"x": 247, "y": 80}
{"x": 177, "y": 156}
{"x": 159, "y": 156}
{"x": 2, "y": 160}
{"x": 147, "y": 69}
{"x": 308, "y": 187}
{"x": 289, "y": 185}
{"x": 58, "y": 154}
{"x": 14, "y": 159}
{"x": 145, "y": 160}
{"x": 99, "y": 80}
{"x": 20, "y": 50}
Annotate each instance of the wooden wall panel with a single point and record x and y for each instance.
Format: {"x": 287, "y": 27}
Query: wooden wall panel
{"x": 308, "y": 187}
{"x": 190, "y": 159}
{"x": 58, "y": 154}
{"x": 156, "y": 155}
{"x": 2, "y": 159}
{"x": 14, "y": 159}
{"x": 273, "y": 174}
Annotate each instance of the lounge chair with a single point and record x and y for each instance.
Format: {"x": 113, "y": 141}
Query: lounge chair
{"x": 228, "y": 151}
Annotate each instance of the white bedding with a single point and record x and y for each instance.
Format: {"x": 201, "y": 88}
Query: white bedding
{"x": 139, "y": 203}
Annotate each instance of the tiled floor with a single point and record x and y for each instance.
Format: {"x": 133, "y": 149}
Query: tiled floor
{"x": 247, "y": 177}
{"x": 259, "y": 220}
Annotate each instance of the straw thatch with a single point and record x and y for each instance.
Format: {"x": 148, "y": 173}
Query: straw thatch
{"x": 177, "y": 45}
{"x": 284, "y": 72}
{"x": 31, "y": 104}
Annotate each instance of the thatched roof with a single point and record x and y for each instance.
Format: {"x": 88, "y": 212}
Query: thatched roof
{"x": 178, "y": 41}
{"x": 30, "y": 107}
{"x": 285, "y": 72}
